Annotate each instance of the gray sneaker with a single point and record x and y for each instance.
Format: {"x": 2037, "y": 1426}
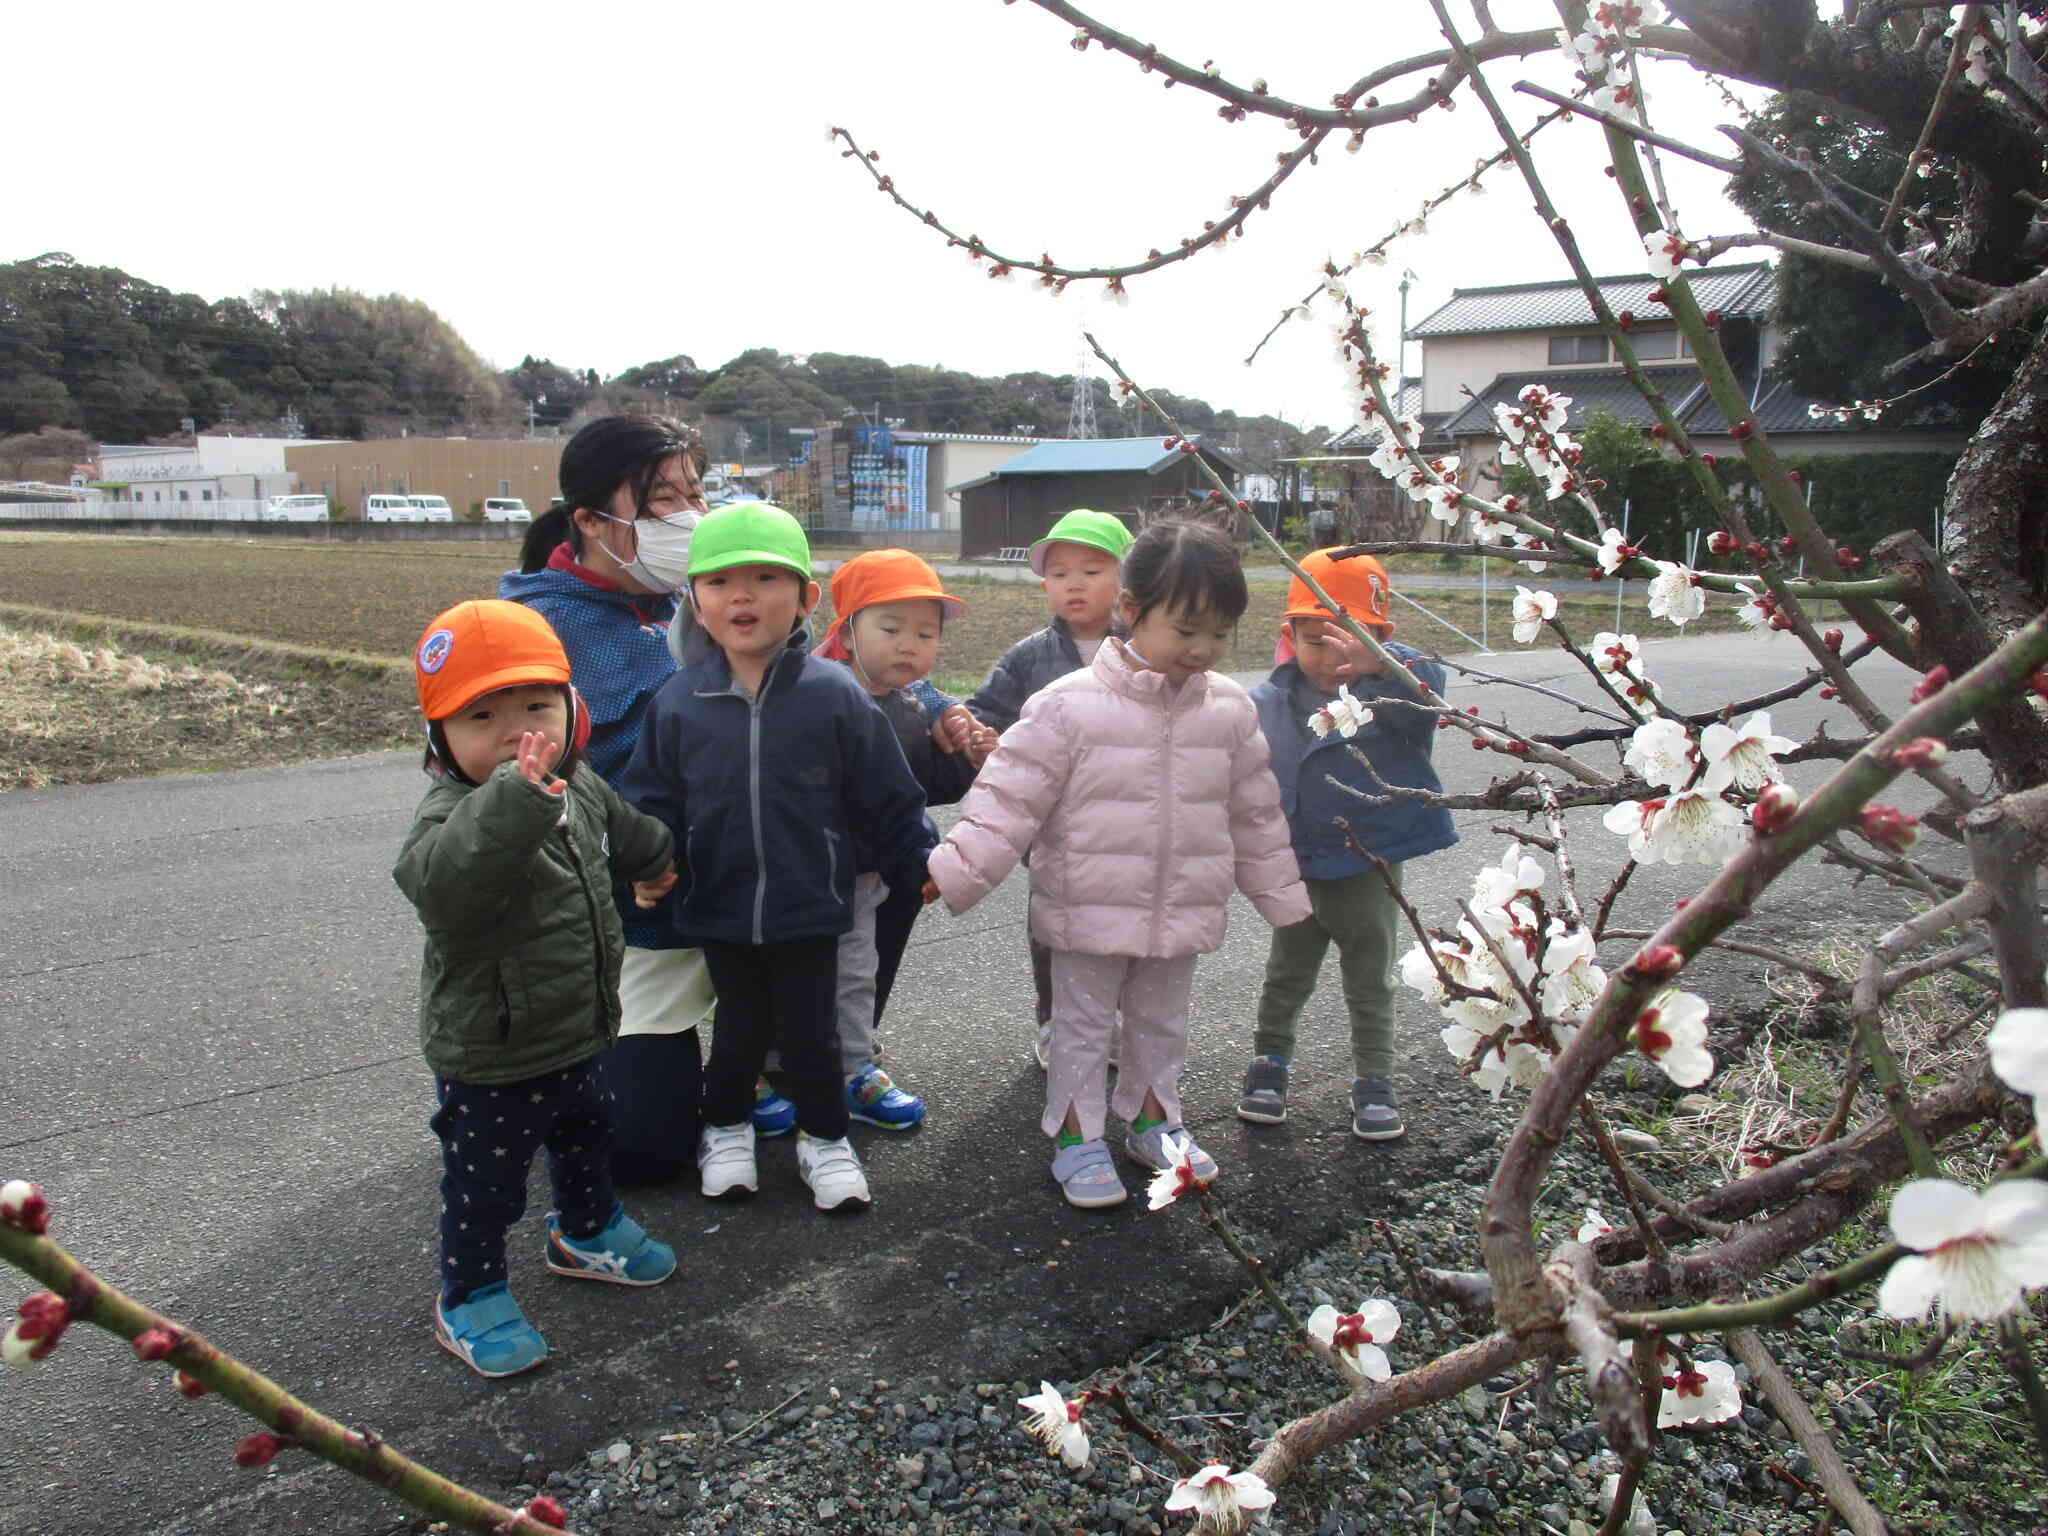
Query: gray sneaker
{"x": 1265, "y": 1091}
{"x": 1375, "y": 1109}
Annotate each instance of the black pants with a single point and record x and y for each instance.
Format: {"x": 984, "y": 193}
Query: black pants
{"x": 894, "y": 919}
{"x": 489, "y": 1133}
{"x": 655, "y": 1083}
{"x": 782, "y": 995}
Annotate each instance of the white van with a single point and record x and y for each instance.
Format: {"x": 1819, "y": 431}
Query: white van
{"x": 506, "y": 509}
{"x": 432, "y": 509}
{"x": 295, "y": 509}
{"x": 389, "y": 509}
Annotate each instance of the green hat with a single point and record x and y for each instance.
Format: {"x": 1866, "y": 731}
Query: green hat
{"x": 1098, "y": 530}
{"x": 749, "y": 533}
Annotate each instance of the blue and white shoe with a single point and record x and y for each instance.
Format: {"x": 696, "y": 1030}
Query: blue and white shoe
{"x": 873, "y": 1098}
{"x": 488, "y": 1333}
{"x": 773, "y": 1114}
{"x": 620, "y": 1254}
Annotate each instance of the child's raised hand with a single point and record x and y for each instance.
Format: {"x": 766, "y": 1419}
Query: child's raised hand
{"x": 534, "y": 752}
{"x": 647, "y": 892}
{"x": 954, "y": 730}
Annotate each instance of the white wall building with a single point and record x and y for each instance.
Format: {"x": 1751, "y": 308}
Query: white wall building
{"x": 211, "y": 469}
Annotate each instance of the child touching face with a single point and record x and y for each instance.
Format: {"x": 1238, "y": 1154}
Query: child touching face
{"x": 507, "y": 863}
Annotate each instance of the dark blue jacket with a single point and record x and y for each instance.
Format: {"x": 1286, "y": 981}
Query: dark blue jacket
{"x": 1396, "y": 742}
{"x": 1042, "y": 657}
{"x": 618, "y": 659}
{"x": 775, "y": 799}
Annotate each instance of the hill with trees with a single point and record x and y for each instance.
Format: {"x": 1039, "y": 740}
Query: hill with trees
{"x": 97, "y": 351}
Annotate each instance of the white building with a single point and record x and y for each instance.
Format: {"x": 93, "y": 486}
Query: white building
{"x": 212, "y": 469}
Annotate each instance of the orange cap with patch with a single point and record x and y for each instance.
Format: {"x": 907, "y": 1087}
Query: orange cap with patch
{"x": 1359, "y": 585}
{"x": 478, "y": 647}
{"x": 882, "y": 576}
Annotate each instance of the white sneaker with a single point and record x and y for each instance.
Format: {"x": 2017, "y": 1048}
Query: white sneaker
{"x": 725, "y": 1159}
{"x": 832, "y": 1169}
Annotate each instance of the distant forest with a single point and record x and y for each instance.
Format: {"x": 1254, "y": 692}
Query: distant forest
{"x": 96, "y": 351}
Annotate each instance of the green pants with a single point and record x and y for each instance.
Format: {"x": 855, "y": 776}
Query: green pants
{"x": 1359, "y": 913}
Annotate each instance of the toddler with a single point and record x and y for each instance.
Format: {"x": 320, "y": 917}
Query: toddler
{"x": 510, "y": 862}
{"x": 1141, "y": 786}
{"x": 1350, "y": 899}
{"x": 889, "y": 613}
{"x": 781, "y": 782}
{"x": 1077, "y": 564}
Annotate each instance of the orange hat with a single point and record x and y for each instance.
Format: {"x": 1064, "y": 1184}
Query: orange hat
{"x": 881, "y": 576}
{"x": 477, "y": 647}
{"x": 1358, "y": 584}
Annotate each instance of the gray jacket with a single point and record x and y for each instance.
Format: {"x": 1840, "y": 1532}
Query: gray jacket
{"x": 1026, "y": 667}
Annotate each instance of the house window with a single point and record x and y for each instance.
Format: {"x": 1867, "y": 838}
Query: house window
{"x": 1589, "y": 348}
{"x": 504, "y": 487}
{"x": 1662, "y": 342}
{"x": 184, "y": 495}
{"x": 206, "y": 495}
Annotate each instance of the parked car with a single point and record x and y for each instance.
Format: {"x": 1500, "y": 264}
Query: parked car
{"x": 432, "y": 509}
{"x": 390, "y": 509}
{"x": 506, "y": 509}
{"x": 295, "y": 509}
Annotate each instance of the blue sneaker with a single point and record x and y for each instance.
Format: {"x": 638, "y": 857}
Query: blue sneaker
{"x": 874, "y": 1099}
{"x": 773, "y": 1114}
{"x": 621, "y": 1254}
{"x": 489, "y": 1333}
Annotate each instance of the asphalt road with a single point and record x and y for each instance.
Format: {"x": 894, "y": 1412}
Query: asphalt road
{"x": 207, "y": 1004}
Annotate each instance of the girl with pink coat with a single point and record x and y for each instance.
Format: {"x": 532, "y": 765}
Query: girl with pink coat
{"x": 1141, "y": 789}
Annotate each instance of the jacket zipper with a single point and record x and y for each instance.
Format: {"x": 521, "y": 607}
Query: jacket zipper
{"x": 568, "y": 831}
{"x": 1159, "y": 875}
{"x": 754, "y": 798}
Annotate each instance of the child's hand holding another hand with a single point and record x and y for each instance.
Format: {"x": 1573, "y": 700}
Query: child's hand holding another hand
{"x": 954, "y": 730}
{"x": 980, "y": 742}
{"x": 647, "y": 892}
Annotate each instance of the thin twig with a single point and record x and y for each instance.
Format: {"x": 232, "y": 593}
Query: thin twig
{"x": 760, "y": 1419}
{"x": 1857, "y": 1512}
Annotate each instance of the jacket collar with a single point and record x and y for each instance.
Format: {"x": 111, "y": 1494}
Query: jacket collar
{"x": 1120, "y": 674}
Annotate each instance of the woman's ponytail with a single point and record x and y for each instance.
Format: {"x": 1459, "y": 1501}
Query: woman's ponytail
{"x": 543, "y": 534}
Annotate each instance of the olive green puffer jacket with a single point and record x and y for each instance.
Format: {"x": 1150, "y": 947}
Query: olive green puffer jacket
{"x": 514, "y": 887}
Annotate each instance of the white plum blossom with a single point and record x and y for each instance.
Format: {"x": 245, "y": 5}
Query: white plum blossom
{"x": 1512, "y": 423}
{"x": 2019, "y": 1055}
{"x": 1178, "y": 1177}
{"x": 1515, "y": 874}
{"x": 1675, "y": 593}
{"x": 1614, "y": 551}
{"x": 1706, "y": 1394}
{"x": 1572, "y": 983}
{"x": 1666, "y": 249}
{"x": 1343, "y": 714}
{"x": 1981, "y": 61}
{"x": 1444, "y": 501}
{"x": 1672, "y": 1032}
{"x": 1594, "y": 1226}
{"x": 1544, "y": 408}
{"x": 1754, "y": 613}
{"x": 1514, "y": 1062}
{"x": 1225, "y": 1498}
{"x": 1531, "y": 611}
{"x": 1974, "y": 1256}
{"x": 1618, "y": 94}
{"x": 1056, "y": 1421}
{"x": 1614, "y": 653}
{"x": 1354, "y": 1338}
{"x": 1587, "y": 51}
{"x": 1662, "y": 751}
{"x": 1617, "y": 18}
{"x": 1744, "y": 758}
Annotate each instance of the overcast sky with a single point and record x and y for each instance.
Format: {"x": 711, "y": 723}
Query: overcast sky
{"x": 619, "y": 181}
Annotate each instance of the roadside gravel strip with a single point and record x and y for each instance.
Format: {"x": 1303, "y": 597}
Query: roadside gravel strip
{"x": 946, "y": 1456}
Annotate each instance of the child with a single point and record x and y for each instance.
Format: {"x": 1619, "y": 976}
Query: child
{"x": 889, "y": 612}
{"x": 1141, "y": 787}
{"x": 510, "y": 864}
{"x": 1350, "y": 898}
{"x": 1077, "y": 561}
{"x": 781, "y": 781}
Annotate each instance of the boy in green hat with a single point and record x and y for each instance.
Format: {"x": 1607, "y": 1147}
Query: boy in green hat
{"x": 1078, "y": 564}
{"x": 780, "y": 779}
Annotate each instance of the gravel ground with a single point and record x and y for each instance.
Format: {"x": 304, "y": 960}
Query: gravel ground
{"x": 917, "y": 1456}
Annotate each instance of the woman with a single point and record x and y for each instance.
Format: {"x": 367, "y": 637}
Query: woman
{"x": 603, "y": 567}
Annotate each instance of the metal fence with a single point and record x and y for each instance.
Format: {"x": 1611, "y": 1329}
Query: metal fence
{"x": 136, "y": 511}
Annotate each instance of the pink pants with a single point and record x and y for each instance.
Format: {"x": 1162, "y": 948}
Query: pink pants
{"x": 1088, "y": 993}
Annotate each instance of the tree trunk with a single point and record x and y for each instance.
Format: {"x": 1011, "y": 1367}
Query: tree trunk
{"x": 1997, "y": 504}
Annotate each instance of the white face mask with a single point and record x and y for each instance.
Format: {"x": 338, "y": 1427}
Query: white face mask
{"x": 662, "y": 559}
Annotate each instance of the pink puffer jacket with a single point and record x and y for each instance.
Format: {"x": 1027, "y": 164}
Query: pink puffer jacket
{"x": 1141, "y": 808}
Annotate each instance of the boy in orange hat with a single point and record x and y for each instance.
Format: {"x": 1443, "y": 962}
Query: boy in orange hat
{"x": 510, "y": 863}
{"x": 890, "y": 611}
{"x": 1349, "y": 897}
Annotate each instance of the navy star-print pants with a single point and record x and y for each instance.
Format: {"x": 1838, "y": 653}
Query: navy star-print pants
{"x": 489, "y": 1133}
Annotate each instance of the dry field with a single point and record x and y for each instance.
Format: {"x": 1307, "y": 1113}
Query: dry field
{"x": 292, "y": 617}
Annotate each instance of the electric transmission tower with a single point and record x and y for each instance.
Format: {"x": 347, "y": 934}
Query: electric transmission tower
{"x": 1081, "y": 408}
